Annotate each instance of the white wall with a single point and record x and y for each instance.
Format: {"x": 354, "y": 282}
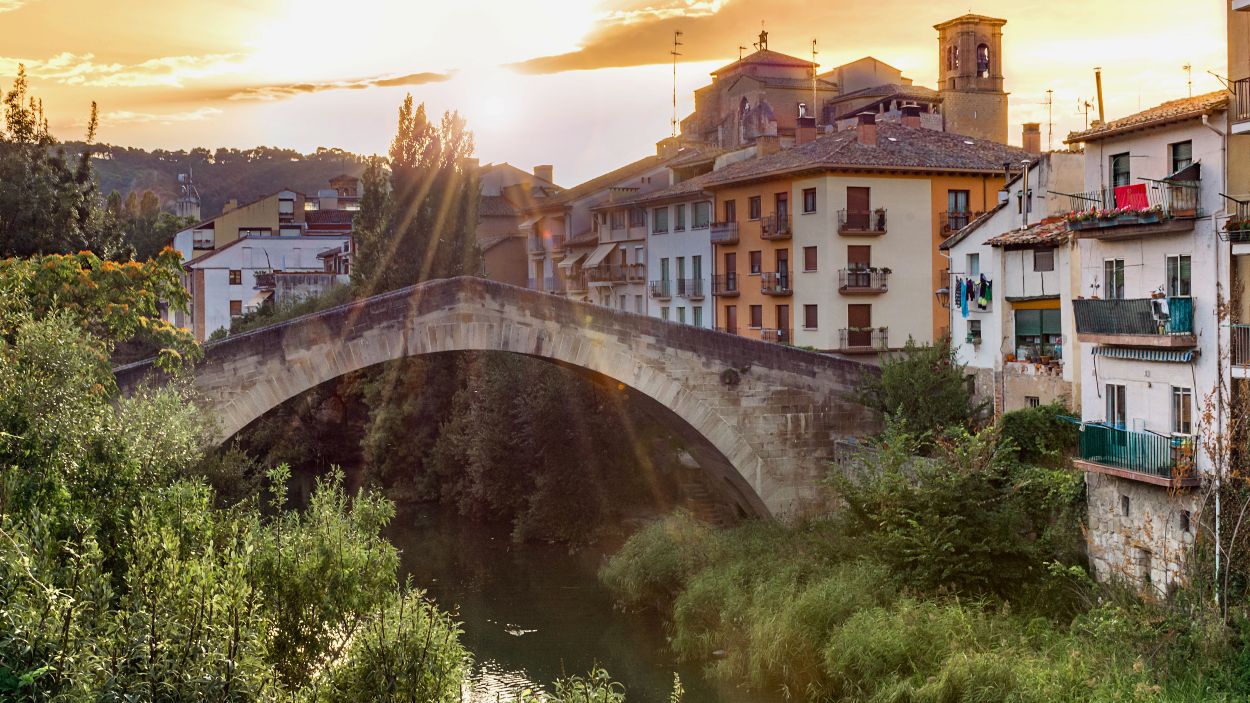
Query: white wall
{"x": 686, "y": 244}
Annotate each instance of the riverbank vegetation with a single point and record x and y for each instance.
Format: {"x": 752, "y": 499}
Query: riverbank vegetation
{"x": 954, "y": 571}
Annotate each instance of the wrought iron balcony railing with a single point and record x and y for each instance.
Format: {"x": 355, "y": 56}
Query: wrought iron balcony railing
{"x": 777, "y": 336}
{"x": 728, "y": 329}
{"x": 1146, "y": 453}
{"x": 863, "y": 281}
{"x": 1241, "y": 101}
{"x": 690, "y": 288}
{"x": 954, "y": 220}
{"x": 1156, "y": 202}
{"x": 661, "y": 289}
{"x": 852, "y": 222}
{"x": 775, "y": 283}
{"x": 775, "y": 227}
{"x": 724, "y": 233}
{"x": 725, "y": 284}
{"x": 863, "y": 339}
{"x": 1240, "y": 343}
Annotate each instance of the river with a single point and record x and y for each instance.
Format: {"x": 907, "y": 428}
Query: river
{"x": 534, "y": 613}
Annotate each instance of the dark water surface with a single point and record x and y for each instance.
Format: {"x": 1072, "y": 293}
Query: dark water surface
{"x": 535, "y": 613}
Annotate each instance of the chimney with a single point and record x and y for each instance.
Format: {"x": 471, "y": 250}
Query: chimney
{"x": 805, "y": 130}
{"x": 1032, "y": 138}
{"x": 867, "y": 129}
{"x": 766, "y": 144}
{"x": 545, "y": 172}
{"x": 911, "y": 116}
{"x": 231, "y": 204}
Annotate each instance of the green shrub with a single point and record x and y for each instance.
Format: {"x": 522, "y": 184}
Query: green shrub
{"x": 1040, "y": 435}
{"x": 924, "y": 387}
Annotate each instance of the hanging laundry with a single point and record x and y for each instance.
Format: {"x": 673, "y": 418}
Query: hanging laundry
{"x": 989, "y": 291}
{"x": 982, "y": 287}
{"x": 966, "y": 291}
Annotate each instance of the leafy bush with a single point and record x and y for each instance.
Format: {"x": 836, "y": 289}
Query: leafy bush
{"x": 924, "y": 387}
{"x": 657, "y": 561}
{"x": 1040, "y": 434}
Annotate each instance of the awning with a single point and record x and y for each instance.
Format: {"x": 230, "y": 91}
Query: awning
{"x": 570, "y": 260}
{"x": 1167, "y": 355}
{"x": 528, "y": 224}
{"x": 599, "y": 254}
{"x": 1190, "y": 173}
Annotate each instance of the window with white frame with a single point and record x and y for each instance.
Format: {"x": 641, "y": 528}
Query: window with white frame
{"x": 702, "y": 215}
{"x": 1178, "y": 276}
{"x": 659, "y": 220}
{"x": 1182, "y": 410}
{"x": 1113, "y": 279}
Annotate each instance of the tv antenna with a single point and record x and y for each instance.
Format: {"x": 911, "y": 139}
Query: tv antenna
{"x": 1082, "y": 108}
{"x": 1050, "y": 120}
{"x": 814, "y": 65}
{"x": 1189, "y": 70}
{"x": 675, "y": 53}
{"x": 741, "y": 49}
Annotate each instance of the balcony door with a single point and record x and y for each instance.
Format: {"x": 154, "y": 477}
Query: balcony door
{"x": 783, "y": 323}
{"x": 857, "y": 199}
{"x": 731, "y": 319}
{"x": 859, "y": 325}
{"x": 858, "y": 259}
{"x": 782, "y": 209}
{"x": 1116, "y": 411}
{"x": 731, "y": 272}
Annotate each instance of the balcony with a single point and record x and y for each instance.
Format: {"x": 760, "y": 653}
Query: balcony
{"x": 1142, "y": 456}
{"x": 775, "y": 227}
{"x": 725, "y": 285}
{"x": 536, "y": 247}
{"x": 265, "y": 280}
{"x": 1240, "y": 342}
{"x": 1166, "y": 323}
{"x": 724, "y": 233}
{"x": 1239, "y": 107}
{"x": 777, "y": 336}
{"x": 954, "y": 220}
{"x": 1162, "y": 207}
{"x": 557, "y": 244}
{"x": 775, "y": 283}
{"x": 863, "y": 281}
{"x": 690, "y": 288}
{"x": 863, "y": 340}
{"x": 575, "y": 283}
{"x": 553, "y": 284}
{"x": 661, "y": 289}
{"x": 865, "y": 223}
{"x": 617, "y": 273}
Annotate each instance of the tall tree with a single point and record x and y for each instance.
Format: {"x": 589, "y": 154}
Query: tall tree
{"x": 424, "y": 227}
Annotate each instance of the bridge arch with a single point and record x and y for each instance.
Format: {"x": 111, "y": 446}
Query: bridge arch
{"x": 763, "y": 416}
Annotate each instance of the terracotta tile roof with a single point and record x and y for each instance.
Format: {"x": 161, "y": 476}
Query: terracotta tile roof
{"x": 1053, "y": 231}
{"x": 608, "y": 179}
{"x": 898, "y": 148}
{"x": 890, "y": 90}
{"x": 688, "y": 187}
{"x": 767, "y": 57}
{"x": 495, "y": 206}
{"x": 1168, "y": 112}
{"x": 779, "y": 82}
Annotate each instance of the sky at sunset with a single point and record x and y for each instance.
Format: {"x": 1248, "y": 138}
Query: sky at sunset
{"x": 583, "y": 85}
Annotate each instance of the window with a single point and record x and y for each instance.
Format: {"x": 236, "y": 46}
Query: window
{"x": 1113, "y": 279}
{"x": 1181, "y": 154}
{"x": 809, "y": 317}
{"x": 781, "y": 206}
{"x": 1038, "y": 334}
{"x": 974, "y": 265}
{"x": 702, "y": 215}
{"x": 659, "y": 220}
{"x": 638, "y": 308}
{"x": 983, "y": 61}
{"x": 696, "y": 268}
{"x": 731, "y": 319}
{"x": 757, "y": 316}
{"x": 1120, "y": 175}
{"x": 681, "y": 315}
{"x": 1116, "y": 411}
{"x": 696, "y": 316}
{"x": 664, "y": 313}
{"x": 1124, "y": 505}
{"x": 809, "y": 259}
{"x": 1144, "y": 568}
{"x": 679, "y": 218}
{"x": 809, "y": 200}
{"x": 637, "y": 217}
{"x": 254, "y": 232}
{"x": 1178, "y": 276}
{"x": 974, "y": 332}
{"x": 618, "y": 219}
{"x": 640, "y": 255}
{"x": 286, "y": 206}
{"x": 236, "y": 277}
{"x": 753, "y": 208}
{"x": 290, "y": 232}
{"x": 802, "y": 109}
{"x": 731, "y": 211}
{"x": 1044, "y": 259}
{"x": 1185, "y": 518}
{"x": 1033, "y": 401}
{"x": 1182, "y": 410}
{"x": 957, "y": 201}
{"x": 757, "y": 261}
{"x": 664, "y": 270}
{"x": 202, "y": 239}
{"x": 952, "y": 58}
{"x": 236, "y": 308}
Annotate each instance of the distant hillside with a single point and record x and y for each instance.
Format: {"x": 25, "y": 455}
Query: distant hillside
{"x": 219, "y": 175}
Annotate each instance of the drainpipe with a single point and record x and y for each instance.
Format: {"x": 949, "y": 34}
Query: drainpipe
{"x": 1219, "y": 355}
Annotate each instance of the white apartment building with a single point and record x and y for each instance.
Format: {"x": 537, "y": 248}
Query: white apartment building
{"x": 1151, "y": 270}
{"x": 1018, "y": 344}
{"x": 247, "y": 273}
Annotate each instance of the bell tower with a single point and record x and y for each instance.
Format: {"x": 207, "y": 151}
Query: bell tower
{"x": 970, "y": 76}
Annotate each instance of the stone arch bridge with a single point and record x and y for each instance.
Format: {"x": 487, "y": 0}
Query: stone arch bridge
{"x": 762, "y": 418}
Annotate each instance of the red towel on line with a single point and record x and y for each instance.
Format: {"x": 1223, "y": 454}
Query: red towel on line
{"x": 1132, "y": 196}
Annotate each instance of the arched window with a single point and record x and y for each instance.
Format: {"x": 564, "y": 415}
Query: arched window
{"x": 952, "y": 58}
{"x": 983, "y": 61}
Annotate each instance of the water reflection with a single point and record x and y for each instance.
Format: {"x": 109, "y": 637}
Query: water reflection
{"x": 534, "y": 613}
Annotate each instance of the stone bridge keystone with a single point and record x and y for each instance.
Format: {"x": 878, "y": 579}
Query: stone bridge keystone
{"x": 762, "y": 417}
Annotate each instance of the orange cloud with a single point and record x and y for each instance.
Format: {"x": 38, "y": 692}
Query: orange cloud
{"x": 288, "y": 90}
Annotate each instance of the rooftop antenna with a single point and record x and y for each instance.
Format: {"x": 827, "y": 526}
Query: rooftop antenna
{"x": 741, "y": 49}
{"x": 1050, "y": 120}
{"x": 814, "y": 65}
{"x": 1189, "y": 69}
{"x": 675, "y": 53}
{"x": 1082, "y": 108}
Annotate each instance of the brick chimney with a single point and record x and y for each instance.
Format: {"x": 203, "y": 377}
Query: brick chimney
{"x": 867, "y": 129}
{"x": 1032, "y": 139}
{"x": 545, "y": 172}
{"x": 911, "y": 116}
{"x": 766, "y": 144}
{"x": 805, "y": 130}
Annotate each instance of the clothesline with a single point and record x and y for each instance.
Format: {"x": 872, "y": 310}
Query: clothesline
{"x": 979, "y": 292}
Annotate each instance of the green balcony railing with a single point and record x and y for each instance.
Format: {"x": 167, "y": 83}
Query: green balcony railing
{"x": 1140, "y": 452}
{"x": 1158, "y": 316}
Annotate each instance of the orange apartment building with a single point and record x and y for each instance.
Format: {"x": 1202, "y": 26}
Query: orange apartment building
{"x": 833, "y": 243}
